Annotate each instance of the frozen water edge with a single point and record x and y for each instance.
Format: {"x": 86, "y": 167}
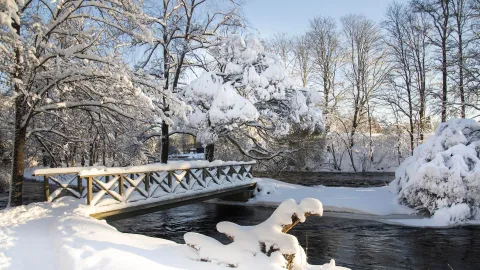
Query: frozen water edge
{"x": 378, "y": 204}
{"x": 374, "y": 201}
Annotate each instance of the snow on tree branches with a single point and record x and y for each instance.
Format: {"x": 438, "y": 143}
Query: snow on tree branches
{"x": 248, "y": 93}
{"x": 60, "y": 56}
{"x": 443, "y": 175}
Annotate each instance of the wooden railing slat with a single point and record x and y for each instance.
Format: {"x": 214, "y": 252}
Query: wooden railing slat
{"x": 178, "y": 181}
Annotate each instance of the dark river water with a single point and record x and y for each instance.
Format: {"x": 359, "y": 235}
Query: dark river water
{"x": 333, "y": 179}
{"x": 353, "y": 243}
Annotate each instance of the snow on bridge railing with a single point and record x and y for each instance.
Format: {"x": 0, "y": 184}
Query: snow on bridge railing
{"x": 115, "y": 185}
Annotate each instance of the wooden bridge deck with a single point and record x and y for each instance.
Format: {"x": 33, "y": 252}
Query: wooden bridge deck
{"x": 116, "y": 193}
{"x": 172, "y": 203}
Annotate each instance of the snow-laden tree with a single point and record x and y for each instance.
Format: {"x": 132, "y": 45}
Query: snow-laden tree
{"x": 60, "y": 56}
{"x": 248, "y": 99}
{"x": 179, "y": 39}
{"x": 442, "y": 177}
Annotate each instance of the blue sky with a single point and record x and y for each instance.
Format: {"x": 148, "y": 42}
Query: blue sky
{"x": 292, "y": 16}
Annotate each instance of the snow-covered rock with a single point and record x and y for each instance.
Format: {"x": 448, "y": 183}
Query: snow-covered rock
{"x": 443, "y": 175}
{"x": 264, "y": 246}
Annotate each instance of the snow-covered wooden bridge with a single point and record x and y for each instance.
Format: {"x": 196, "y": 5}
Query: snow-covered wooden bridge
{"x": 128, "y": 191}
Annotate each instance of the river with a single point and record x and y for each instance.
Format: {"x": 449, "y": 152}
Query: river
{"x": 354, "y": 243}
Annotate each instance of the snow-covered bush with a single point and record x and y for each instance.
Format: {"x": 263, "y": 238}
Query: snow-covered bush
{"x": 443, "y": 175}
{"x": 264, "y": 246}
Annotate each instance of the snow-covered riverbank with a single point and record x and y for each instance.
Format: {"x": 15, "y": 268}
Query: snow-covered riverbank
{"x": 377, "y": 203}
{"x": 374, "y": 201}
{"x": 62, "y": 235}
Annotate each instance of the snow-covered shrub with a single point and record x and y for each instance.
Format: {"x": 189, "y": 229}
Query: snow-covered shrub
{"x": 443, "y": 175}
{"x": 264, "y": 246}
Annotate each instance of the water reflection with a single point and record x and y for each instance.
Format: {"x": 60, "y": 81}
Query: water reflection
{"x": 358, "y": 244}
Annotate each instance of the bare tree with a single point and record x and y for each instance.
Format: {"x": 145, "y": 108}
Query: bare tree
{"x": 325, "y": 46}
{"x": 282, "y": 45}
{"x": 365, "y": 70}
{"x": 303, "y": 59}
{"x": 402, "y": 95}
{"x": 462, "y": 15}
{"x": 439, "y": 12}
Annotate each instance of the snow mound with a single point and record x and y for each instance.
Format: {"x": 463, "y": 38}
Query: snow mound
{"x": 264, "y": 246}
{"x": 442, "y": 177}
{"x": 62, "y": 235}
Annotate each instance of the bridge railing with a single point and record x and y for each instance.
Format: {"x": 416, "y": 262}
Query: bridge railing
{"x": 105, "y": 186}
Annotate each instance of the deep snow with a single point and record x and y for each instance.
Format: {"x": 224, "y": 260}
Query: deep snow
{"x": 374, "y": 201}
{"x": 62, "y": 235}
{"x": 378, "y": 203}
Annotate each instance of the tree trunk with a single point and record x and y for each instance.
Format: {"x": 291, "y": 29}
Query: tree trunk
{"x": 444, "y": 82}
{"x": 210, "y": 152}
{"x": 422, "y": 113}
{"x": 460, "y": 74}
{"x": 422, "y": 90}
{"x": 370, "y": 142}
{"x": 74, "y": 156}
{"x": 90, "y": 161}
{"x": 18, "y": 165}
{"x": 410, "y": 120}
{"x": 67, "y": 160}
{"x": 164, "y": 143}
{"x": 104, "y": 158}
{"x": 446, "y": 14}
{"x": 44, "y": 158}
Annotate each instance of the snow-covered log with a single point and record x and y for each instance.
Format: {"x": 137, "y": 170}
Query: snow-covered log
{"x": 442, "y": 177}
{"x": 264, "y": 246}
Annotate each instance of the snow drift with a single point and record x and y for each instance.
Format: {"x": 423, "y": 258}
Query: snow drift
{"x": 442, "y": 178}
{"x": 264, "y": 246}
{"x": 62, "y": 235}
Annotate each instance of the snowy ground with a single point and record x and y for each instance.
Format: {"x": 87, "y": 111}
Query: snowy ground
{"x": 62, "y": 235}
{"x": 337, "y": 199}
{"x": 377, "y": 203}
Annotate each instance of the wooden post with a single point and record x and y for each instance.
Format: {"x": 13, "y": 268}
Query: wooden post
{"x": 170, "y": 183}
{"x": 120, "y": 185}
{"x": 79, "y": 185}
{"x": 187, "y": 177}
{"x": 89, "y": 190}
{"x": 46, "y": 188}
{"x": 147, "y": 183}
